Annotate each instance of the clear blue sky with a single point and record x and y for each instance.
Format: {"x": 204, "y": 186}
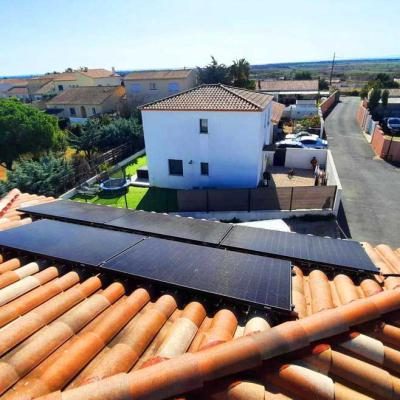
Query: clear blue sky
{"x": 45, "y": 35}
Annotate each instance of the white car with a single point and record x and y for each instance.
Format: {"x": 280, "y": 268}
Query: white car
{"x": 289, "y": 144}
{"x": 393, "y": 124}
{"x": 299, "y": 135}
{"x": 313, "y": 142}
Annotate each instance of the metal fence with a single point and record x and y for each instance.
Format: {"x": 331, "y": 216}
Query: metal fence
{"x": 284, "y": 198}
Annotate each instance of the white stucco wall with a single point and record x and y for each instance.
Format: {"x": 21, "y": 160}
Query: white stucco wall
{"x": 232, "y": 147}
{"x": 300, "y": 158}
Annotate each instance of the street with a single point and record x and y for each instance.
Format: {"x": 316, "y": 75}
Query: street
{"x": 371, "y": 186}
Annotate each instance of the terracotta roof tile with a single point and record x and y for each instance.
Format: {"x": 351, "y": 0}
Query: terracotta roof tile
{"x": 287, "y": 85}
{"x": 277, "y": 111}
{"x": 87, "y": 95}
{"x": 64, "y": 330}
{"x": 212, "y": 98}
{"x": 165, "y": 74}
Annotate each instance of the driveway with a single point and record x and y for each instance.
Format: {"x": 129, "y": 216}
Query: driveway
{"x": 371, "y": 187}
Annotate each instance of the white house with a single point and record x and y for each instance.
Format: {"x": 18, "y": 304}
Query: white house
{"x": 208, "y": 136}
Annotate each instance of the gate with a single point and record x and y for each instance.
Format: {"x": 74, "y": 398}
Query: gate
{"x": 280, "y": 157}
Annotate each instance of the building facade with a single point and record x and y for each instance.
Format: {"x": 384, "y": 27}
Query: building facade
{"x": 146, "y": 86}
{"x": 211, "y": 136}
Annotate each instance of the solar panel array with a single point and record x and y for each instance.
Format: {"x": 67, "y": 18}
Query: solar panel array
{"x": 65, "y": 241}
{"x": 254, "y": 280}
{"x": 247, "y": 278}
{"x": 296, "y": 247}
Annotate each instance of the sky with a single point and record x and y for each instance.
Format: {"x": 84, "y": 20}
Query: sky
{"x": 39, "y": 36}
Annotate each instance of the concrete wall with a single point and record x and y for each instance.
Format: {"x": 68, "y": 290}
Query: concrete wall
{"x": 329, "y": 103}
{"x": 333, "y": 179}
{"x": 232, "y": 147}
{"x": 300, "y": 158}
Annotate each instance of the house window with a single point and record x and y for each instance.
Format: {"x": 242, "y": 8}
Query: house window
{"x": 72, "y": 111}
{"x": 137, "y": 88}
{"x": 93, "y": 110}
{"x": 173, "y": 87}
{"x": 60, "y": 88}
{"x": 153, "y": 86}
{"x": 204, "y": 168}
{"x": 203, "y": 125}
{"x": 175, "y": 167}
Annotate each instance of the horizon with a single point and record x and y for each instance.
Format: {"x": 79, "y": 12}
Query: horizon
{"x": 135, "y": 36}
{"x": 392, "y": 58}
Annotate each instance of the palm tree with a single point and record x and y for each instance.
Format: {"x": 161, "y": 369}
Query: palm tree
{"x": 240, "y": 72}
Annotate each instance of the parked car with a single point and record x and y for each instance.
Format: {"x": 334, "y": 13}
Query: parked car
{"x": 299, "y": 135}
{"x": 289, "y": 144}
{"x": 393, "y": 124}
{"x": 313, "y": 143}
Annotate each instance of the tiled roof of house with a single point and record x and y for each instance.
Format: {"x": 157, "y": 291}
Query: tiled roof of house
{"x": 72, "y": 334}
{"x": 98, "y": 73}
{"x": 18, "y": 90}
{"x": 45, "y": 88}
{"x": 216, "y": 97}
{"x": 287, "y": 85}
{"x": 87, "y": 95}
{"x": 164, "y": 74}
{"x": 14, "y": 81}
{"x": 277, "y": 111}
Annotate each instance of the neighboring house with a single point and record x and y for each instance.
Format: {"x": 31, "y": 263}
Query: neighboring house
{"x": 288, "y": 91}
{"x": 302, "y": 109}
{"x": 20, "y": 92}
{"x": 53, "y": 84}
{"x": 83, "y": 102}
{"x": 8, "y": 83}
{"x": 209, "y": 136}
{"x": 146, "y": 86}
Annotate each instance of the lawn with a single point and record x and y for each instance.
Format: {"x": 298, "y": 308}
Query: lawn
{"x": 148, "y": 199}
{"x": 132, "y": 167}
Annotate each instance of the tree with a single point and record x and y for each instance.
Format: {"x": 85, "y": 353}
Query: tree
{"x": 86, "y": 138}
{"x": 26, "y": 130}
{"x": 323, "y": 84}
{"x": 240, "y": 72}
{"x": 374, "y": 96}
{"x": 50, "y": 176}
{"x": 385, "y": 98}
{"x": 214, "y": 73}
{"x": 364, "y": 92}
{"x": 121, "y": 131}
{"x": 303, "y": 75}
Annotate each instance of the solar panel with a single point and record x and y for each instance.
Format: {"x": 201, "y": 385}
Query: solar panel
{"x": 259, "y": 281}
{"x": 172, "y": 226}
{"x": 295, "y": 246}
{"x": 134, "y": 221}
{"x": 75, "y": 211}
{"x": 70, "y": 242}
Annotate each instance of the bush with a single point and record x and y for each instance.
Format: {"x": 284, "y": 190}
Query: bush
{"x": 49, "y": 176}
{"x": 311, "y": 122}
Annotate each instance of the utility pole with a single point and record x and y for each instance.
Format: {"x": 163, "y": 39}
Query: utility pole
{"x": 333, "y": 64}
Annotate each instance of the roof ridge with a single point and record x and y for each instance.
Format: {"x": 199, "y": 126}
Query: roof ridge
{"x": 192, "y": 370}
{"x": 229, "y": 89}
{"x": 172, "y": 96}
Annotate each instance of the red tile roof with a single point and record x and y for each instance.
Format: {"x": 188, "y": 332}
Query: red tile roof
{"x": 98, "y": 73}
{"x": 64, "y": 330}
{"x": 165, "y": 74}
{"x": 87, "y": 95}
{"x": 18, "y": 90}
{"x": 216, "y": 97}
{"x": 277, "y": 111}
{"x": 287, "y": 85}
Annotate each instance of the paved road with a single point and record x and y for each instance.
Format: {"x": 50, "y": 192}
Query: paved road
{"x": 371, "y": 187}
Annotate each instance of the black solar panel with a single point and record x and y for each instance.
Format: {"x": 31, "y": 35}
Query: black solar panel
{"x": 256, "y": 280}
{"x": 65, "y": 241}
{"x": 69, "y": 210}
{"x": 294, "y": 246}
{"x": 135, "y": 221}
{"x": 172, "y": 226}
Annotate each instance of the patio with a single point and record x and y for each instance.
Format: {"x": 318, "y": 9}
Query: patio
{"x": 301, "y": 177}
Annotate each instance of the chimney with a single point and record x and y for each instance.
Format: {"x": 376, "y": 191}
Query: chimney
{"x": 113, "y": 70}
